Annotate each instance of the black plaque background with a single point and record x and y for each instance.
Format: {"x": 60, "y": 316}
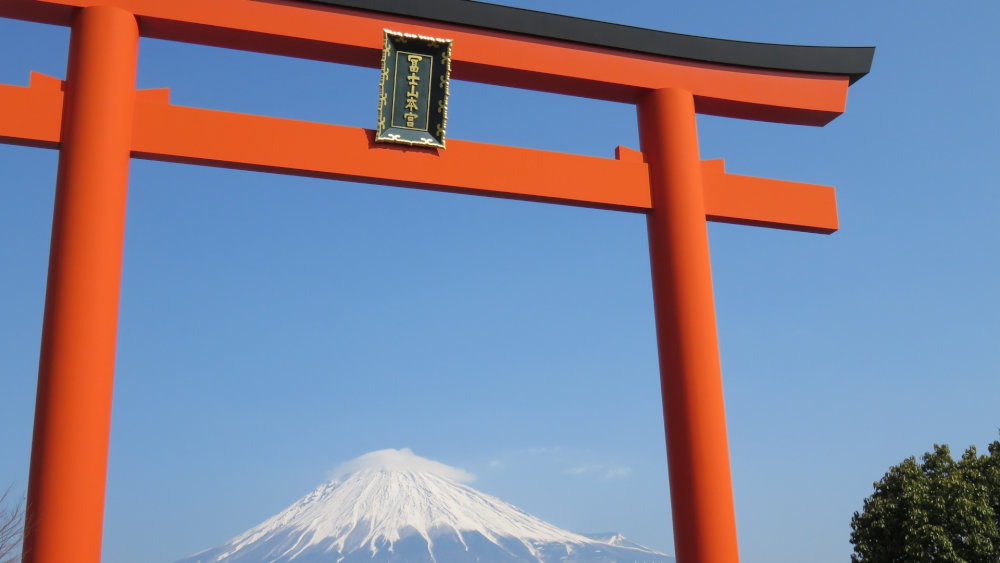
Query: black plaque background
{"x": 392, "y": 98}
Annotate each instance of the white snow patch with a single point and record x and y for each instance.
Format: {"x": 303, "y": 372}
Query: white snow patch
{"x": 403, "y": 460}
{"x": 380, "y": 497}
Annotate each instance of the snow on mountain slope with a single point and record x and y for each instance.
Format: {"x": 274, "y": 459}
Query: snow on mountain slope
{"x": 393, "y": 505}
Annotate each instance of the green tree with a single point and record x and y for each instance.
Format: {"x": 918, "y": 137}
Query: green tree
{"x": 935, "y": 510}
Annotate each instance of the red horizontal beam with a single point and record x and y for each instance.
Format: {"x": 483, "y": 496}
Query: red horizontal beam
{"x": 164, "y": 132}
{"x": 285, "y": 146}
{"x": 763, "y": 202}
{"x": 349, "y": 36}
{"x": 32, "y": 116}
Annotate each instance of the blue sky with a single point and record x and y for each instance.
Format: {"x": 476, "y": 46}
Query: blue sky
{"x": 274, "y": 327}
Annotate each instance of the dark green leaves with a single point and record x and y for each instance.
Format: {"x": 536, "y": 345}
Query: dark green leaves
{"x": 934, "y": 510}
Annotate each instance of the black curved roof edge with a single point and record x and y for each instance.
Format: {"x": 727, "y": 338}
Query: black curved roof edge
{"x": 852, "y": 61}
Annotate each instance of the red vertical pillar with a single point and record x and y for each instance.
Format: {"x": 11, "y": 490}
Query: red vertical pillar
{"x": 69, "y": 454}
{"x": 691, "y": 379}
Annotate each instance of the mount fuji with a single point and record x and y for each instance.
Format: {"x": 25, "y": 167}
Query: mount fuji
{"x": 392, "y": 506}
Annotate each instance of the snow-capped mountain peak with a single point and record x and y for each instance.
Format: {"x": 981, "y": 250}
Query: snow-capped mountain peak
{"x": 393, "y": 505}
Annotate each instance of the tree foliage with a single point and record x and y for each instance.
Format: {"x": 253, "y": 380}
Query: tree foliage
{"x": 934, "y": 510}
{"x": 11, "y": 528}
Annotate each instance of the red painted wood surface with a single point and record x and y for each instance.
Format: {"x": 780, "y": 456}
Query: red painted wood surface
{"x": 701, "y": 492}
{"x": 69, "y": 453}
{"x": 285, "y": 146}
{"x": 355, "y": 37}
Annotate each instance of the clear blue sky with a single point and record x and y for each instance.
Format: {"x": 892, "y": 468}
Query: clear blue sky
{"x": 273, "y": 327}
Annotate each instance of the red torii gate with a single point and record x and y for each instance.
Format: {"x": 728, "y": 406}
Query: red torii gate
{"x": 99, "y": 121}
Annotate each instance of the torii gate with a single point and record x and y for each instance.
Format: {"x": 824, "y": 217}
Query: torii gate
{"x": 98, "y": 121}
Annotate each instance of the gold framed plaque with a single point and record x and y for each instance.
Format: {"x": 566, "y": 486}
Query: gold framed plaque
{"x": 413, "y": 96}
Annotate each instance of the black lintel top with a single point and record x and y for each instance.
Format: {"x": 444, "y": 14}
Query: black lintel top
{"x": 852, "y": 61}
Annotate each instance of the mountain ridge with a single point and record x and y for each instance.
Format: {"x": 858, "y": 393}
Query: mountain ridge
{"x": 394, "y": 506}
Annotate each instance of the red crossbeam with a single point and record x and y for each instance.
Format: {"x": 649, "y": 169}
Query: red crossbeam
{"x": 171, "y": 133}
{"x": 355, "y": 37}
